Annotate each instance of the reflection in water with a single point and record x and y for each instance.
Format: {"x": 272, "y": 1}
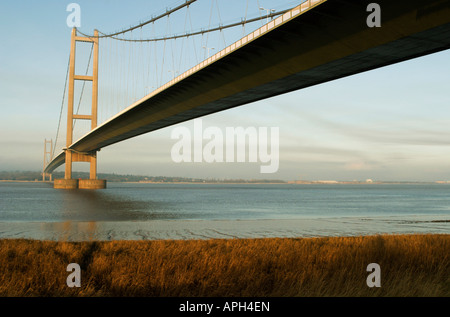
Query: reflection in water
{"x": 92, "y": 205}
{"x": 73, "y": 230}
{"x": 81, "y": 210}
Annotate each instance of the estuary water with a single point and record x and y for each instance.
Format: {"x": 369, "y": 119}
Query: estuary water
{"x": 132, "y": 211}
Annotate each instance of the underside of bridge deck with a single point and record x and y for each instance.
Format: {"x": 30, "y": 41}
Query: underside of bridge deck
{"x": 327, "y": 42}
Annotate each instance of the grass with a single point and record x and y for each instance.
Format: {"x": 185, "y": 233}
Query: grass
{"x": 411, "y": 265}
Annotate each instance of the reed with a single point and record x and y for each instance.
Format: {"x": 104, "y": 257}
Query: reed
{"x": 411, "y": 265}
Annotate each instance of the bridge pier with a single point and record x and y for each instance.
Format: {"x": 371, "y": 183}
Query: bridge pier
{"x": 65, "y": 183}
{"x": 79, "y": 183}
{"x": 72, "y": 155}
{"x": 92, "y": 184}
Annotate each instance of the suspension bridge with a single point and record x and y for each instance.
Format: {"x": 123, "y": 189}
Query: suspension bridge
{"x": 313, "y": 42}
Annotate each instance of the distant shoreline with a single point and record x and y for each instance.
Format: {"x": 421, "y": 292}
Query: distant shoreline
{"x": 257, "y": 183}
{"x": 19, "y": 181}
{"x": 36, "y": 176}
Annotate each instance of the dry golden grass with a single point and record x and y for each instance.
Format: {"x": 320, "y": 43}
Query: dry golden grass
{"x": 411, "y": 265}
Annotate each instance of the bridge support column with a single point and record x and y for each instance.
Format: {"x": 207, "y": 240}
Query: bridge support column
{"x": 48, "y": 153}
{"x": 72, "y": 155}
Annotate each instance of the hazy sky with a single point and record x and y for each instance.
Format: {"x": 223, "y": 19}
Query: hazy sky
{"x": 392, "y": 123}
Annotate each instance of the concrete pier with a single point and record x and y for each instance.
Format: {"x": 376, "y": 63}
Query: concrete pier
{"x": 80, "y": 183}
{"x": 92, "y": 183}
{"x": 66, "y": 183}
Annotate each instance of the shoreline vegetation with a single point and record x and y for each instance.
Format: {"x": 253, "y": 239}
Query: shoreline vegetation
{"x": 33, "y": 176}
{"x": 415, "y": 265}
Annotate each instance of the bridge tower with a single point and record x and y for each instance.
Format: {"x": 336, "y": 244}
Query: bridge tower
{"x": 48, "y": 152}
{"x": 71, "y": 155}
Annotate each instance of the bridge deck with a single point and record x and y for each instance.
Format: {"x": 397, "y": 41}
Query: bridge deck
{"x": 304, "y": 47}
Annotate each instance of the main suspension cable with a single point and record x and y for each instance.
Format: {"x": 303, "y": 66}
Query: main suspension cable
{"x": 168, "y": 12}
{"x": 219, "y": 28}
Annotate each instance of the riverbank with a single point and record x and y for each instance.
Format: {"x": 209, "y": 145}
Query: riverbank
{"x": 410, "y": 265}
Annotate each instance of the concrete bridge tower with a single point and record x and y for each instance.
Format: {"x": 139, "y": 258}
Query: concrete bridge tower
{"x": 74, "y": 156}
{"x": 48, "y": 152}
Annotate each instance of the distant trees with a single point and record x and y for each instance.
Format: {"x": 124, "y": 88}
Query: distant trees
{"x": 20, "y": 175}
{"x": 33, "y": 175}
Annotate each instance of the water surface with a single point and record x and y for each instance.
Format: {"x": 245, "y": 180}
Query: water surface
{"x": 154, "y": 211}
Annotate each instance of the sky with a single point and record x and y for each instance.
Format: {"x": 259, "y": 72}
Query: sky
{"x": 387, "y": 124}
